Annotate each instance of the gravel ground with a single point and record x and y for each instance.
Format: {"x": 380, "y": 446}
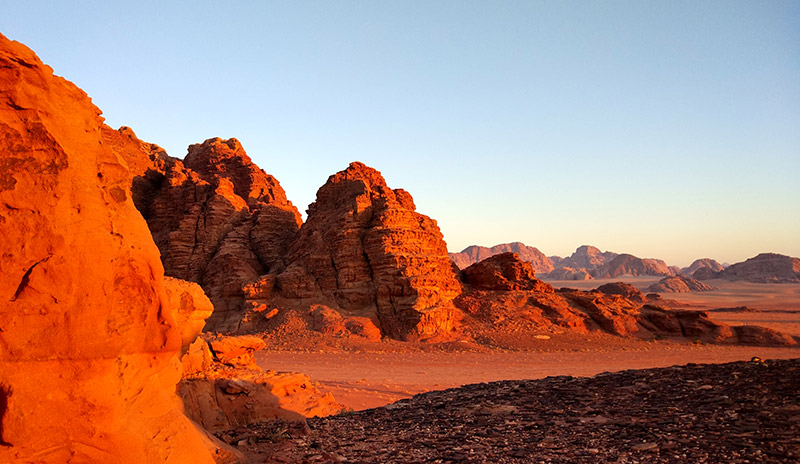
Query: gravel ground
{"x": 742, "y": 412}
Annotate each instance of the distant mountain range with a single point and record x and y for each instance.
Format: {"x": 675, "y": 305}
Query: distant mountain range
{"x": 588, "y": 262}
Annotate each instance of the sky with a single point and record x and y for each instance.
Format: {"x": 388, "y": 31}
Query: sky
{"x": 663, "y": 129}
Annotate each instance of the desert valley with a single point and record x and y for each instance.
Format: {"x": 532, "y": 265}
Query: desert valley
{"x": 163, "y": 309}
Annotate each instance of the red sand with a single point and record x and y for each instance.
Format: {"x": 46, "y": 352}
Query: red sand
{"x": 362, "y": 380}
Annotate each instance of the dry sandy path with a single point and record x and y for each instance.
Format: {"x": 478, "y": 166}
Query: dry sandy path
{"x": 361, "y": 380}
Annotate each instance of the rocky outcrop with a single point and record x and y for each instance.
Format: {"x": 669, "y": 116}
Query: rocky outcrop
{"x": 474, "y": 254}
{"x": 88, "y": 342}
{"x": 217, "y": 218}
{"x": 586, "y": 257}
{"x": 630, "y": 265}
{"x": 147, "y": 163}
{"x": 223, "y": 388}
{"x": 622, "y": 289}
{"x": 364, "y": 251}
{"x": 506, "y": 271}
{"x": 764, "y": 268}
{"x": 696, "y": 325}
{"x": 567, "y": 273}
{"x": 191, "y": 308}
{"x": 679, "y": 284}
{"x": 504, "y": 304}
{"x": 703, "y": 263}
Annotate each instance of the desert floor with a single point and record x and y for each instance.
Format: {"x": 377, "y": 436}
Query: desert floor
{"x": 372, "y": 375}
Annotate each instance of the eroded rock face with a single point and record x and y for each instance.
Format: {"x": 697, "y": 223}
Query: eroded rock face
{"x": 84, "y": 314}
{"x": 567, "y": 273}
{"x": 217, "y": 218}
{"x": 474, "y": 254}
{"x": 623, "y": 289}
{"x": 586, "y": 257}
{"x": 626, "y": 264}
{"x": 679, "y": 284}
{"x": 502, "y": 304}
{"x": 764, "y": 268}
{"x": 506, "y": 271}
{"x": 703, "y": 263}
{"x": 364, "y": 250}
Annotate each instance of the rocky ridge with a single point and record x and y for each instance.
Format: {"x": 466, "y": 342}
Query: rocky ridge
{"x": 679, "y": 284}
{"x": 504, "y": 304}
{"x": 763, "y": 268}
{"x": 475, "y": 253}
{"x": 630, "y": 265}
{"x": 217, "y": 218}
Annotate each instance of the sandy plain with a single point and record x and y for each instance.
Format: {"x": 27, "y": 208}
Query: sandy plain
{"x": 370, "y": 375}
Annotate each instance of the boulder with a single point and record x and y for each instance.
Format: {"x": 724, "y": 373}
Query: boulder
{"x": 230, "y": 390}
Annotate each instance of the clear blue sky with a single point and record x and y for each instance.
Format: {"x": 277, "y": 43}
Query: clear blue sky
{"x": 664, "y": 129}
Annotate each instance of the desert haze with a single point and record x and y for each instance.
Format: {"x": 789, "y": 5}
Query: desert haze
{"x": 158, "y": 309}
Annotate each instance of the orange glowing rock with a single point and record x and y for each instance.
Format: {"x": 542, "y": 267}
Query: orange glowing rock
{"x": 88, "y": 343}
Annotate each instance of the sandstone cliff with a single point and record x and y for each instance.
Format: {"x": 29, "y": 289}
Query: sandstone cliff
{"x": 474, "y": 254}
{"x": 764, "y": 268}
{"x": 88, "y": 342}
{"x": 626, "y": 264}
{"x": 365, "y": 251}
{"x": 567, "y": 273}
{"x": 217, "y": 218}
{"x": 586, "y": 257}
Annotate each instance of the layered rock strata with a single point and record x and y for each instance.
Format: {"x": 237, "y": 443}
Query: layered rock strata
{"x": 365, "y": 251}
{"x": 88, "y": 341}
{"x": 217, "y": 218}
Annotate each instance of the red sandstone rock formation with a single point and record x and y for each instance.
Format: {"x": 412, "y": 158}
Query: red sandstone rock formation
{"x": 217, "y": 218}
{"x": 586, "y": 257}
{"x": 147, "y": 163}
{"x": 474, "y": 254}
{"x": 703, "y": 263}
{"x": 503, "y": 302}
{"x": 567, "y": 273}
{"x": 88, "y": 342}
{"x": 365, "y": 251}
{"x": 622, "y": 289}
{"x": 626, "y": 264}
{"x": 679, "y": 284}
{"x": 764, "y": 268}
{"x": 505, "y": 271}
